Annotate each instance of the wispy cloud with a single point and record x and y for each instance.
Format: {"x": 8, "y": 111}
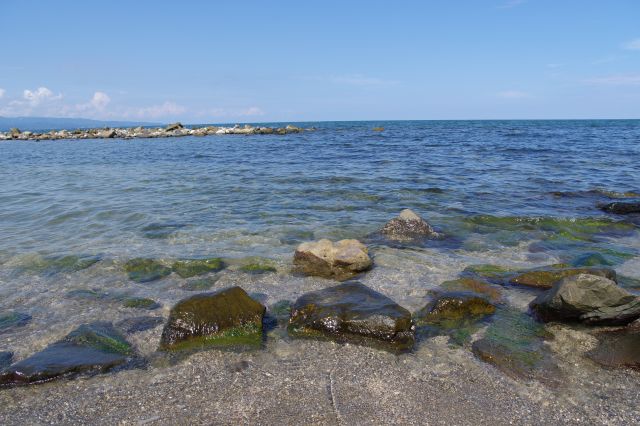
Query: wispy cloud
{"x": 39, "y": 96}
{"x": 511, "y": 3}
{"x": 632, "y": 45}
{"x": 615, "y": 80}
{"x": 2, "y": 92}
{"x": 513, "y": 94}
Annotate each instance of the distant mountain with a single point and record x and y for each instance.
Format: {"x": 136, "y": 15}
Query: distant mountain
{"x": 51, "y": 123}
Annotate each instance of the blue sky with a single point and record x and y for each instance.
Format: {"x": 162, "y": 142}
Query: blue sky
{"x": 248, "y": 61}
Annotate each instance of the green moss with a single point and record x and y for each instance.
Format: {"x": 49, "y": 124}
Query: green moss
{"x": 100, "y": 336}
{"x": 547, "y": 277}
{"x": 247, "y": 335}
{"x": 192, "y": 267}
{"x": 145, "y": 270}
{"x": 140, "y": 303}
{"x": 487, "y": 271}
{"x": 258, "y": 268}
{"x": 281, "y": 308}
{"x": 591, "y": 259}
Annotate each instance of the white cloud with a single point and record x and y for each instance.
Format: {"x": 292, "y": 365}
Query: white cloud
{"x": 632, "y": 45}
{"x": 40, "y": 95}
{"x": 513, "y": 94}
{"x": 100, "y": 100}
{"x": 2, "y": 92}
{"x": 615, "y": 80}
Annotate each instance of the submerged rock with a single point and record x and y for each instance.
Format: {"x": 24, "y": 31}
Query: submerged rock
{"x": 11, "y": 320}
{"x": 471, "y": 285}
{"x": 52, "y": 265}
{"x": 140, "y": 303}
{"x": 514, "y": 343}
{"x": 587, "y": 298}
{"x": 619, "y": 207}
{"x": 453, "y": 308}
{"x": 145, "y": 270}
{"x": 139, "y": 324}
{"x": 90, "y": 349}
{"x": 199, "y": 284}
{"x": 225, "y": 318}
{"x": 340, "y": 260}
{"x": 487, "y": 271}
{"x": 353, "y": 312}
{"x": 408, "y": 226}
{"x": 192, "y": 267}
{"x": 546, "y": 278}
{"x": 620, "y": 348}
{"x": 591, "y": 259}
{"x": 258, "y": 267}
{"x": 5, "y": 359}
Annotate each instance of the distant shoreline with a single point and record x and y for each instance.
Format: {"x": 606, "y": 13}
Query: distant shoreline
{"x": 170, "y": 131}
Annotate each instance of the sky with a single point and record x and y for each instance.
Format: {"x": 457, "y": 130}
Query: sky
{"x": 259, "y": 61}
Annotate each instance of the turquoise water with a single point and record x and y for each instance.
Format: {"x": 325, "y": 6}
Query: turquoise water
{"x": 240, "y": 196}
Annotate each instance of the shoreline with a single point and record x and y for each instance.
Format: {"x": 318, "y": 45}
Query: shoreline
{"x": 170, "y": 131}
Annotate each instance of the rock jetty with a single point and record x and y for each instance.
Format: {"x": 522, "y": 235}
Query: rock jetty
{"x": 170, "y": 131}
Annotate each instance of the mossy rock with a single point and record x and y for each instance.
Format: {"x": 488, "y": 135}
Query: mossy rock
{"x": 146, "y": 270}
{"x": 514, "y": 343}
{"x": 140, "y": 303}
{"x": 546, "y": 278}
{"x": 466, "y": 284}
{"x": 352, "y": 312}
{"x": 224, "y": 318}
{"x": 281, "y": 309}
{"x": 258, "y": 268}
{"x": 452, "y": 307}
{"x": 200, "y": 284}
{"x": 487, "y": 271}
{"x": 10, "y": 320}
{"x": 90, "y": 349}
{"x": 192, "y": 267}
{"x": 59, "y": 264}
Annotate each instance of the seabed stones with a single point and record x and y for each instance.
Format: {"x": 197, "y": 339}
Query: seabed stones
{"x": 341, "y": 260}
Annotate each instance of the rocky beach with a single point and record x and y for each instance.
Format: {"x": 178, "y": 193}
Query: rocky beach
{"x": 259, "y": 279}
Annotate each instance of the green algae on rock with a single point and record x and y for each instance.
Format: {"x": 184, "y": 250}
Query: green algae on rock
{"x": 11, "y": 320}
{"x": 258, "y": 268}
{"x": 227, "y": 317}
{"x": 514, "y": 343}
{"x": 199, "y": 284}
{"x": 188, "y": 268}
{"x": 143, "y": 270}
{"x": 545, "y": 278}
{"x": 90, "y": 349}
{"x": 487, "y": 271}
{"x": 451, "y": 308}
{"x": 140, "y": 303}
{"x": 352, "y": 312}
{"x": 591, "y": 259}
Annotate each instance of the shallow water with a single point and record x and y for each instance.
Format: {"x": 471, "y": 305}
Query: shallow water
{"x": 241, "y": 196}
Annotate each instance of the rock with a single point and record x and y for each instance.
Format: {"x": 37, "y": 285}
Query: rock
{"x": 258, "y": 267}
{"x": 591, "y": 259}
{"x": 145, "y": 270}
{"x": 14, "y": 132}
{"x": 619, "y": 207}
{"x": 353, "y": 312}
{"x": 620, "y": 348}
{"x": 11, "y": 320}
{"x": 514, "y": 343}
{"x": 341, "y": 260}
{"x": 52, "y": 265}
{"x": 408, "y": 226}
{"x": 293, "y": 129}
{"x": 107, "y": 134}
{"x": 546, "y": 278}
{"x": 227, "y": 317}
{"x": 486, "y": 271}
{"x": 90, "y": 349}
{"x": 86, "y": 294}
{"x": 139, "y": 324}
{"x": 587, "y": 298}
{"x": 174, "y": 126}
{"x": 451, "y": 308}
{"x": 140, "y": 303}
{"x": 191, "y": 267}
{"x": 5, "y": 359}
{"x": 281, "y": 309}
